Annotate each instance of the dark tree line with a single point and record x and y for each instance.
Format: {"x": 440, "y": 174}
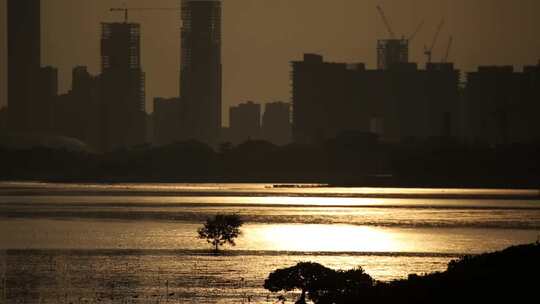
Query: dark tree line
{"x": 343, "y": 161}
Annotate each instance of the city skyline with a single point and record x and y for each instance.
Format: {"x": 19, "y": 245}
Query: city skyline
{"x": 194, "y": 151}
{"x": 249, "y": 32}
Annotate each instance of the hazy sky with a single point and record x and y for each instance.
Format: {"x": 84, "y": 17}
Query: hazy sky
{"x": 261, "y": 37}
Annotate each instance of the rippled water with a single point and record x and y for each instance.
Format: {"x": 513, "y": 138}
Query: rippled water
{"x": 137, "y": 242}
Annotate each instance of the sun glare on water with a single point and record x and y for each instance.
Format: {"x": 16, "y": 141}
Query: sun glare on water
{"x": 322, "y": 238}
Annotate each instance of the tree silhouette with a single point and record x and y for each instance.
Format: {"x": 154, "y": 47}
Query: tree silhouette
{"x": 304, "y": 276}
{"x": 320, "y": 284}
{"x": 221, "y": 229}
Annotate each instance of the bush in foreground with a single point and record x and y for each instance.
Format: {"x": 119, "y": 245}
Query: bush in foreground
{"x": 508, "y": 276}
{"x": 318, "y": 283}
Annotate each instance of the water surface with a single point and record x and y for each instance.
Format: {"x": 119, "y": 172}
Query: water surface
{"x": 137, "y": 242}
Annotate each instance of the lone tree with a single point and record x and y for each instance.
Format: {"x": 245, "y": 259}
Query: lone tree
{"x": 221, "y": 229}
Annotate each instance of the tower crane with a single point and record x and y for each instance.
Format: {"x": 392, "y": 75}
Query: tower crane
{"x": 386, "y": 22}
{"x": 126, "y": 10}
{"x": 429, "y": 52}
{"x": 391, "y": 31}
{"x": 450, "y": 41}
{"x": 416, "y": 31}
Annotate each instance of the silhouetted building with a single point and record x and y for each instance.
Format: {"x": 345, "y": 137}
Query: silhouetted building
{"x": 397, "y": 103}
{"x": 502, "y": 105}
{"x": 46, "y": 90}
{"x": 276, "y": 123}
{"x": 225, "y": 136}
{"x": 149, "y": 134}
{"x": 392, "y": 51}
{"x": 3, "y": 55}
{"x": 444, "y": 114}
{"x": 123, "y": 114}
{"x": 322, "y": 102}
{"x": 394, "y": 101}
{"x": 24, "y": 59}
{"x": 4, "y": 120}
{"x": 166, "y": 120}
{"x": 78, "y": 113}
{"x": 67, "y": 122}
{"x": 245, "y": 122}
{"x": 200, "y": 79}
{"x": 404, "y": 102}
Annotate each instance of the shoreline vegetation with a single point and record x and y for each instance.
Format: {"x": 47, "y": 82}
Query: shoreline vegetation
{"x": 504, "y": 276}
{"x": 342, "y": 162}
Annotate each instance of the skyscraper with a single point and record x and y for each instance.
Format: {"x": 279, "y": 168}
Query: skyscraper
{"x": 165, "y": 120}
{"x": 200, "y": 79}
{"x": 320, "y": 99}
{"x": 24, "y": 56}
{"x": 77, "y": 113}
{"x": 502, "y": 105}
{"x": 245, "y": 122}
{"x": 122, "y": 86}
{"x": 276, "y": 123}
{"x": 44, "y": 97}
{"x": 397, "y": 104}
{"x": 3, "y": 54}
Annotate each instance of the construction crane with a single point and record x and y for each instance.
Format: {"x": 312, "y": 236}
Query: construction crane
{"x": 445, "y": 58}
{"x": 386, "y": 22}
{"x": 429, "y": 52}
{"x": 126, "y": 10}
{"x": 389, "y": 27}
{"x": 416, "y": 31}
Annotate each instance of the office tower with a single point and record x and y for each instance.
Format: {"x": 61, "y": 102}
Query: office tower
{"x": 200, "y": 79}
{"x": 397, "y": 104}
{"x": 45, "y": 93}
{"x": 77, "y": 113}
{"x": 24, "y": 56}
{"x": 123, "y": 114}
{"x": 3, "y": 54}
{"x": 319, "y": 89}
{"x": 502, "y": 105}
{"x": 3, "y": 120}
{"x": 165, "y": 120}
{"x": 528, "y": 129}
{"x": 444, "y": 114}
{"x": 276, "y": 123}
{"x": 86, "y": 93}
{"x": 245, "y": 122}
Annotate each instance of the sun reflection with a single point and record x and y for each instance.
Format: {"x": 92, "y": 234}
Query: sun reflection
{"x": 314, "y": 201}
{"x": 321, "y": 238}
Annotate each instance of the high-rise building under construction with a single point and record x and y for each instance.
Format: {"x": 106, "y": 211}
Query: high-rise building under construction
{"x": 391, "y": 52}
{"x": 122, "y": 85}
{"x": 200, "y": 80}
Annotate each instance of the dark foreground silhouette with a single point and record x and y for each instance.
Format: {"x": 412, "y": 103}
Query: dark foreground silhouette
{"x": 508, "y": 276}
{"x": 345, "y": 161}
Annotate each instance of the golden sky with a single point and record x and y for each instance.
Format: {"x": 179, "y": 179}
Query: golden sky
{"x": 261, "y": 37}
